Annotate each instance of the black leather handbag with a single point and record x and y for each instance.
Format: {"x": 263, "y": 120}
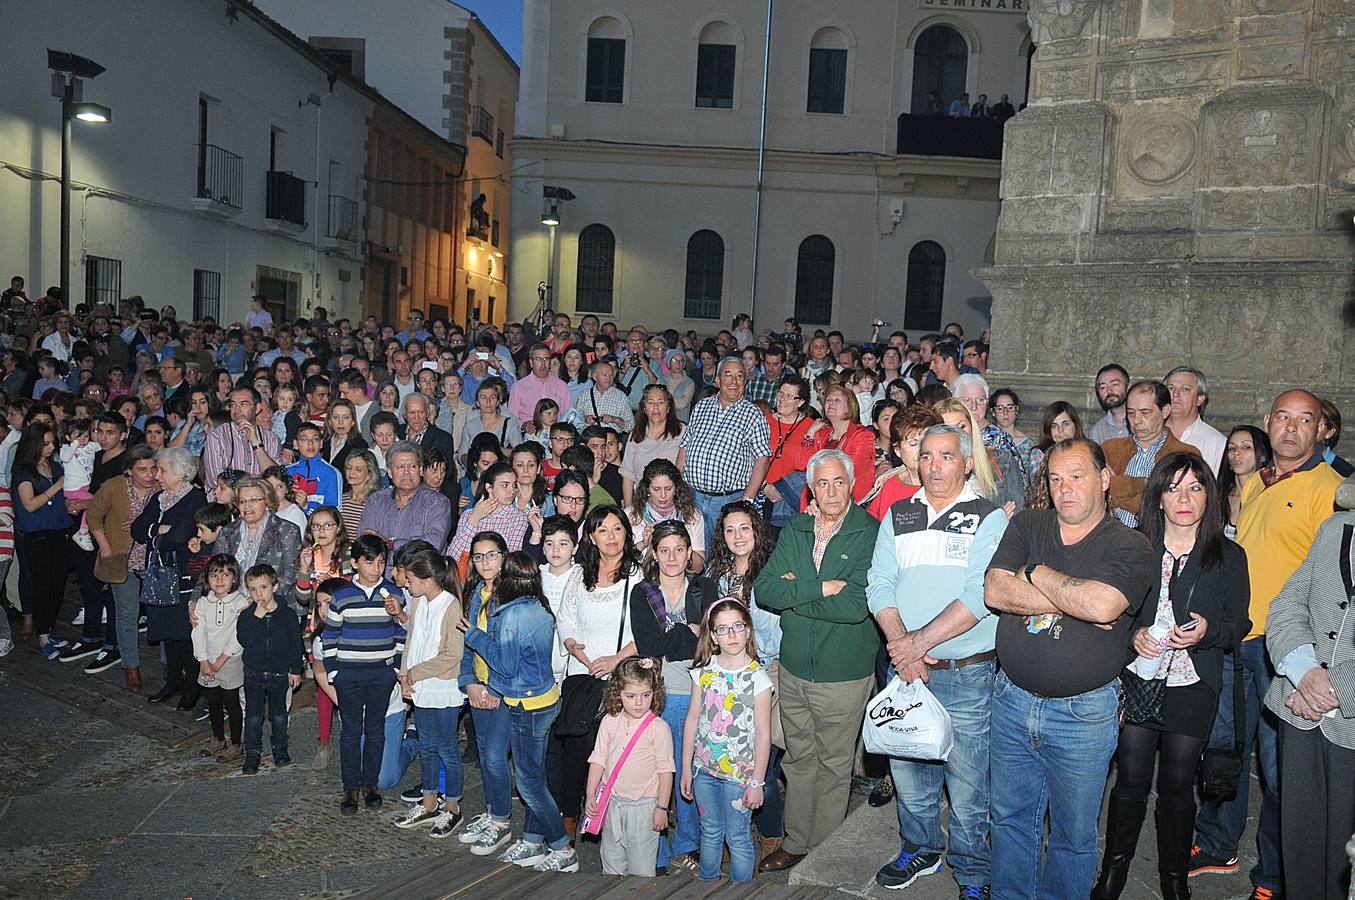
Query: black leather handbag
{"x": 1142, "y": 698}
{"x": 581, "y": 695}
{"x": 1221, "y": 767}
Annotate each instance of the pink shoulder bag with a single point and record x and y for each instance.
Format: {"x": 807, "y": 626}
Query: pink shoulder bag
{"x": 593, "y": 824}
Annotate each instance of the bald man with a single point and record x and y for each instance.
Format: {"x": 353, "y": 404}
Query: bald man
{"x": 1282, "y": 507}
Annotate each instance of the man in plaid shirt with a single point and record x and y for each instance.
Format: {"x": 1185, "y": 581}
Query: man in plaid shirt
{"x": 727, "y": 446}
{"x": 764, "y": 386}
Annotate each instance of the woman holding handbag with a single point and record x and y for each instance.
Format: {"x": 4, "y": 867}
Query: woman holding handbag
{"x": 1171, "y": 688}
{"x": 166, "y": 526}
{"x": 595, "y": 627}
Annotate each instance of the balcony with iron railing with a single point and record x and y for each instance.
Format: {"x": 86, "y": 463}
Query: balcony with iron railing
{"x": 482, "y": 125}
{"x": 342, "y": 226}
{"x": 285, "y": 202}
{"x": 221, "y": 181}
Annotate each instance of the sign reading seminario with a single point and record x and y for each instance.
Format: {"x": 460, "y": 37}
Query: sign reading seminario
{"x": 1004, "y": 6}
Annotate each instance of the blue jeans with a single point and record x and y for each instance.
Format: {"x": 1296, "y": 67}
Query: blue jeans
{"x": 791, "y": 487}
{"x": 771, "y": 816}
{"x": 709, "y": 505}
{"x": 397, "y": 751}
{"x": 721, "y": 825}
{"x": 1219, "y": 826}
{"x": 127, "y": 610}
{"x": 363, "y": 698}
{"x": 1049, "y": 753}
{"x": 262, "y": 688}
{"x": 491, "y": 739}
{"x": 528, "y": 732}
{"x": 967, "y": 695}
{"x": 439, "y": 749}
{"x": 686, "y": 831}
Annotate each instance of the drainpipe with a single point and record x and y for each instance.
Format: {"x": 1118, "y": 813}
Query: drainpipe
{"x": 761, "y": 161}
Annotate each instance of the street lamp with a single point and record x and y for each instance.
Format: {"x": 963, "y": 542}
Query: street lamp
{"x": 554, "y": 199}
{"x": 68, "y": 70}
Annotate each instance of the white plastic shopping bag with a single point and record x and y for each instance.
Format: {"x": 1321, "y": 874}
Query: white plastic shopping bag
{"x": 907, "y": 721}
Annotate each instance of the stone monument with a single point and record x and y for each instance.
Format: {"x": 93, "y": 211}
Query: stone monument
{"x": 1181, "y": 189}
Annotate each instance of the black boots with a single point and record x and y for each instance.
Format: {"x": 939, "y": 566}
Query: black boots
{"x": 1175, "y": 830}
{"x": 1123, "y": 824}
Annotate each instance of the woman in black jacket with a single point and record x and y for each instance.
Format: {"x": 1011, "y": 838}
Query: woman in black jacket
{"x": 665, "y": 615}
{"x": 1199, "y": 612}
{"x": 168, "y": 517}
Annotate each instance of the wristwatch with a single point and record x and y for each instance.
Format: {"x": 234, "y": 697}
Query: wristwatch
{"x": 1030, "y": 571}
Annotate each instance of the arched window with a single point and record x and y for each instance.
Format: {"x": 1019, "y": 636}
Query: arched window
{"x": 814, "y": 280}
{"x": 940, "y": 61}
{"x": 605, "y": 78}
{"x": 715, "y": 61}
{"x": 926, "y": 287}
{"x": 597, "y": 264}
{"x": 705, "y": 275}
{"x": 827, "y": 71}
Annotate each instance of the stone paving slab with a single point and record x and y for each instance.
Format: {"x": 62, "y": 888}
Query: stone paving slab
{"x": 162, "y": 866}
{"x": 38, "y": 818}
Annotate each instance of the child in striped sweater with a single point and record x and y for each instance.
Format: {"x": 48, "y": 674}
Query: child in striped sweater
{"x": 363, "y": 640}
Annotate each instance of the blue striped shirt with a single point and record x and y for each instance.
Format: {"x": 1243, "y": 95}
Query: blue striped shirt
{"x": 359, "y": 634}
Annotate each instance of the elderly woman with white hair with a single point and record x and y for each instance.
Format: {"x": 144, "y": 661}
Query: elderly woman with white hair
{"x": 260, "y": 535}
{"x": 166, "y": 526}
{"x": 816, "y": 580}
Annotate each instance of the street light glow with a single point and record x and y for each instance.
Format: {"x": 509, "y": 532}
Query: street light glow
{"x": 92, "y": 112}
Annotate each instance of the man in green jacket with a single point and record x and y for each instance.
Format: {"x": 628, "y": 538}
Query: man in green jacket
{"x": 816, "y": 579}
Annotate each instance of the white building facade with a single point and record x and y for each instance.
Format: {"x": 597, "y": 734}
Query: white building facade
{"x": 232, "y": 166}
{"x": 651, "y": 116}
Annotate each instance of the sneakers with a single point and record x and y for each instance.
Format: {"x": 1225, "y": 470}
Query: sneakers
{"x": 322, "y": 757}
{"x": 493, "y": 836}
{"x": 79, "y": 617}
{"x": 475, "y": 828}
{"x": 371, "y": 798}
{"x": 1202, "y": 863}
{"x": 412, "y": 795}
{"x": 348, "y": 806}
{"x": 565, "y": 860}
{"x": 83, "y": 540}
{"x": 6, "y": 646}
{"x": 141, "y": 624}
{"x": 51, "y": 650}
{"x": 281, "y": 762}
{"x": 104, "y": 659}
{"x": 524, "y": 853}
{"x": 974, "y": 892}
{"x": 882, "y": 793}
{"x": 251, "y": 766}
{"x": 231, "y": 754}
{"x": 1260, "y": 893}
{"x": 78, "y": 651}
{"x": 204, "y": 713}
{"x": 445, "y": 824}
{"x": 909, "y": 867}
{"x": 416, "y": 815}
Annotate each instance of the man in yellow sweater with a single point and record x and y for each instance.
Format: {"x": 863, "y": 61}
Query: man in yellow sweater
{"x": 1282, "y": 507}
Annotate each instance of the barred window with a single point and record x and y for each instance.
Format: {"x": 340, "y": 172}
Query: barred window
{"x": 814, "y": 270}
{"x": 597, "y": 263}
{"x": 705, "y": 275}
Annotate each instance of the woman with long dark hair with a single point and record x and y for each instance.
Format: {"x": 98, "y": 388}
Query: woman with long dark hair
{"x": 1200, "y": 610}
{"x": 1247, "y": 451}
{"x": 596, "y": 628}
{"x": 657, "y": 435}
{"x": 666, "y": 608}
{"x": 41, "y": 524}
{"x": 493, "y": 510}
{"x": 663, "y": 495}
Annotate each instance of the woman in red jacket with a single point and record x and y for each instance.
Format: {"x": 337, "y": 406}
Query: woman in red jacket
{"x": 841, "y": 429}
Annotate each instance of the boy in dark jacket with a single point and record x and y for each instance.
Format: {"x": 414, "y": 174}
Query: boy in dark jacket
{"x": 271, "y": 637}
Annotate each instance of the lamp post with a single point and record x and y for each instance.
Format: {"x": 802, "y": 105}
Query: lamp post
{"x": 554, "y": 199}
{"x": 67, "y": 71}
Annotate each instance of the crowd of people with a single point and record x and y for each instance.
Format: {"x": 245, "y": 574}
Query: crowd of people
{"x": 664, "y": 575}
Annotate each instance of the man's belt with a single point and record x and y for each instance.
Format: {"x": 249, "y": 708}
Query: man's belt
{"x": 961, "y": 663}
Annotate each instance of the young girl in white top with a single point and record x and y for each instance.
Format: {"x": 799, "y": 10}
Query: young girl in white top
{"x": 727, "y": 738}
{"x": 77, "y": 459}
{"x": 642, "y": 794}
{"x": 429, "y": 669}
{"x": 219, "y": 654}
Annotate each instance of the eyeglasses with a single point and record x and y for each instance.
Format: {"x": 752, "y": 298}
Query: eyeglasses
{"x": 572, "y": 501}
{"x": 323, "y": 526}
{"x": 1006, "y": 407}
{"x": 488, "y": 555}
{"x": 736, "y": 628}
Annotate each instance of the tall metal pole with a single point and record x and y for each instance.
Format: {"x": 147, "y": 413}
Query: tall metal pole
{"x": 550, "y": 272}
{"x": 761, "y": 161}
{"x": 66, "y": 98}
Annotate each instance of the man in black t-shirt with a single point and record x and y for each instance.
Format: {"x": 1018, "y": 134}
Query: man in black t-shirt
{"x": 1067, "y": 583}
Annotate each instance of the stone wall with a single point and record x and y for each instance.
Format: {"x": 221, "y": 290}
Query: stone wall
{"x": 1181, "y": 188}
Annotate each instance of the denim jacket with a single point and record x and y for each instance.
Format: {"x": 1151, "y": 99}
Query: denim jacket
{"x": 517, "y": 647}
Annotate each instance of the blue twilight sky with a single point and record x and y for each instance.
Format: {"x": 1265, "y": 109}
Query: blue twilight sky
{"x": 504, "y": 18}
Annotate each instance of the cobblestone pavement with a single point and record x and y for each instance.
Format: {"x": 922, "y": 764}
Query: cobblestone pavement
{"x": 103, "y": 795}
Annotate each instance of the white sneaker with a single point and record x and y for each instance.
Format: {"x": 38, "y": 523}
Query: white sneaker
{"x": 417, "y": 815}
{"x": 6, "y": 645}
{"x": 79, "y": 617}
{"x": 524, "y": 853}
{"x": 83, "y": 540}
{"x": 565, "y": 860}
{"x": 446, "y": 823}
{"x": 494, "y": 836}
{"x": 475, "y": 828}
